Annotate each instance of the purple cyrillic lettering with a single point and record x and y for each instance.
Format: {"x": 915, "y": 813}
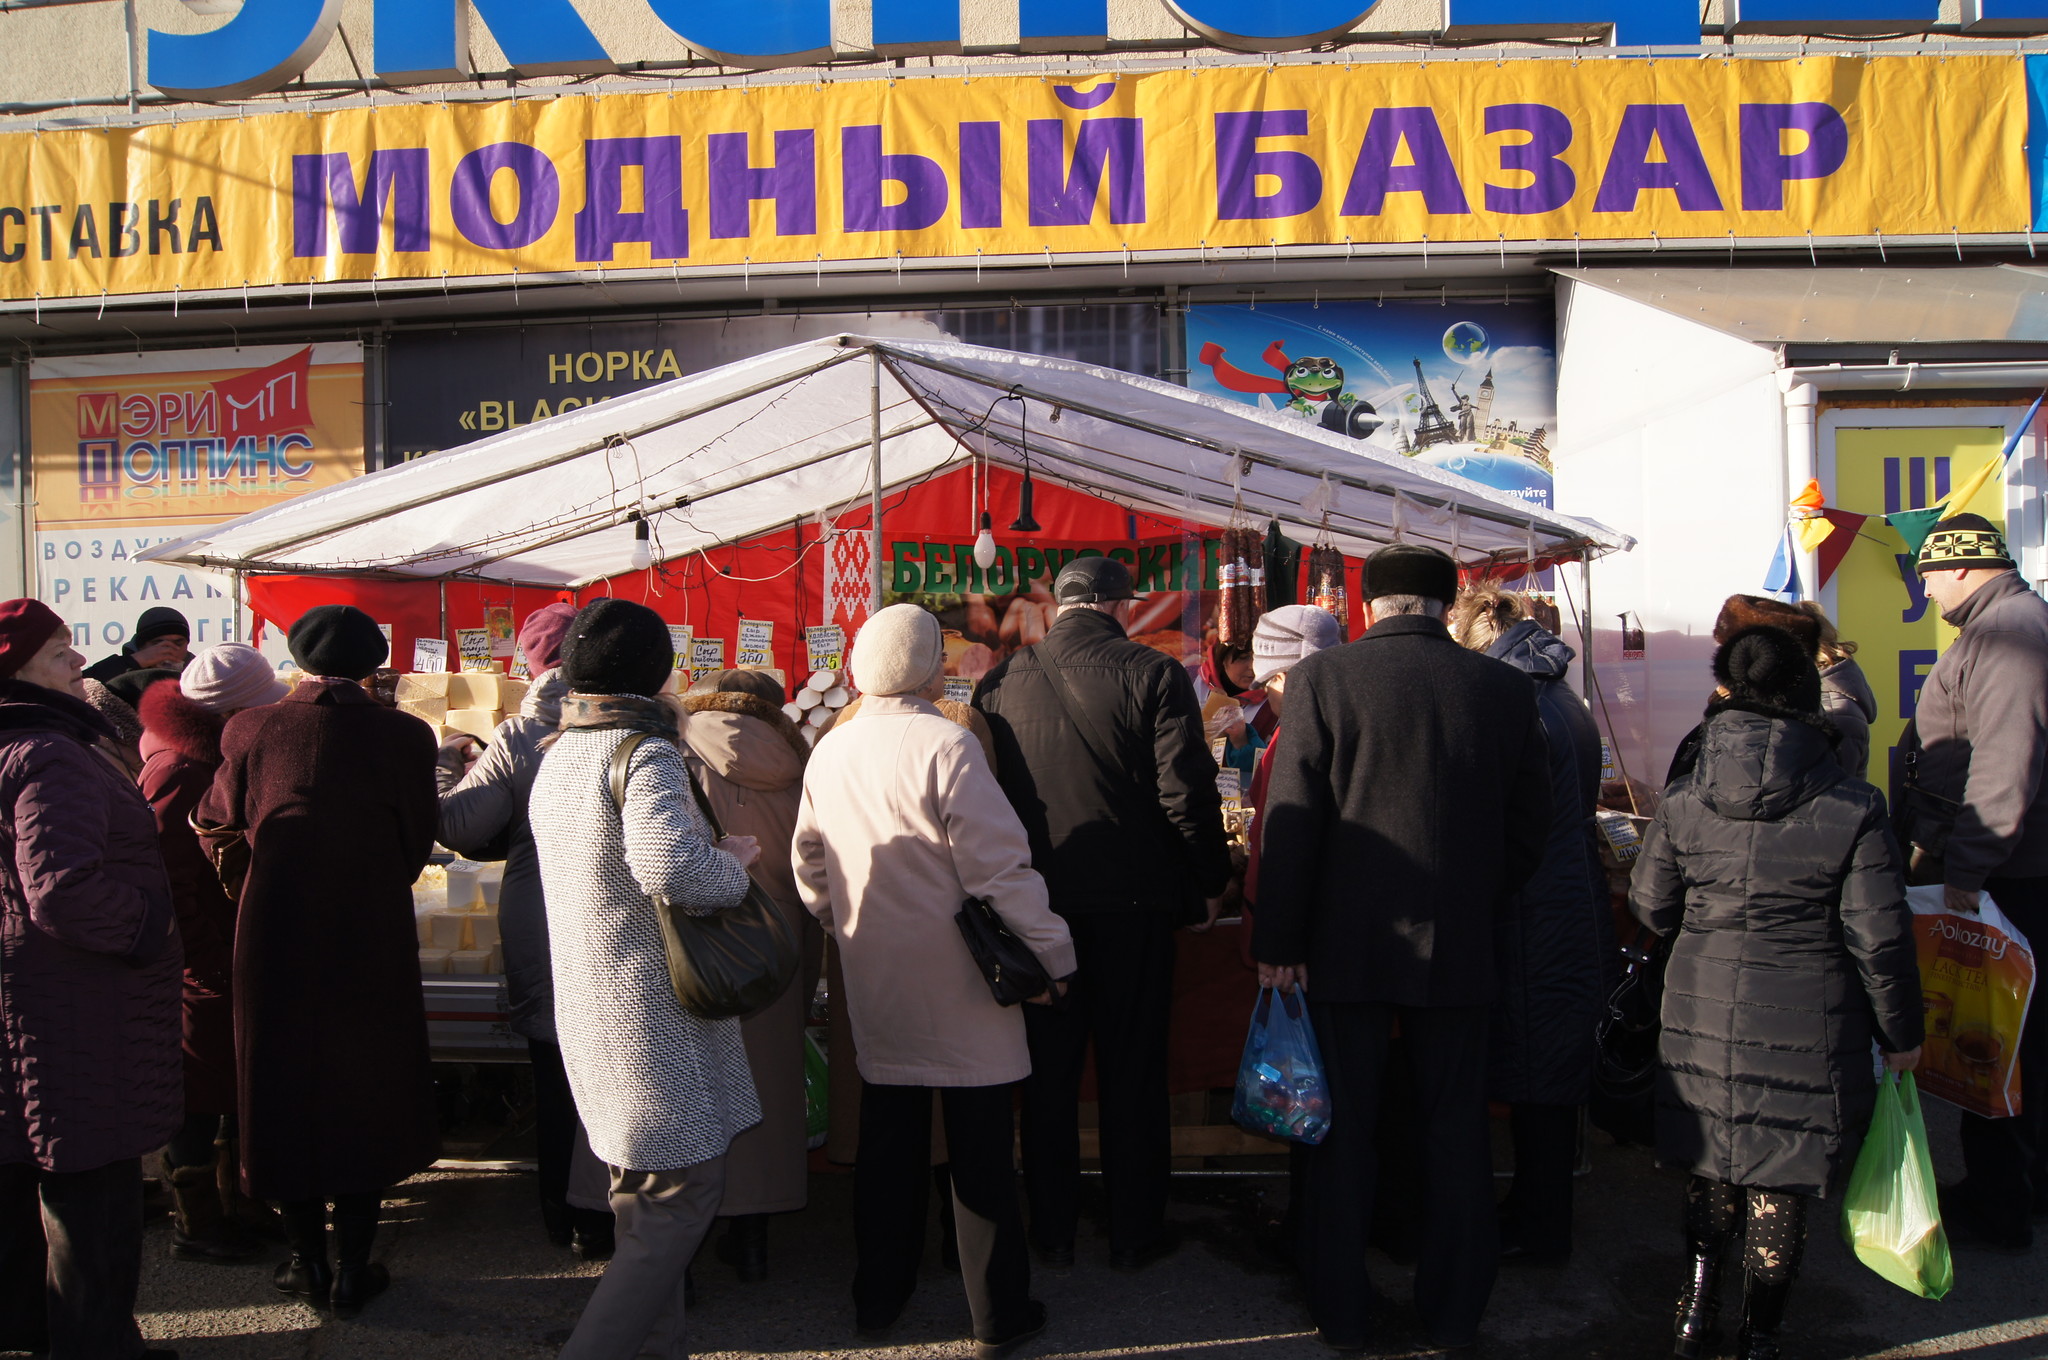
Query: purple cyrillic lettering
{"x": 864, "y": 168}
{"x": 395, "y": 182}
{"x": 792, "y": 182}
{"x": 662, "y": 223}
{"x": 1630, "y": 169}
{"x": 1550, "y": 133}
{"x": 1433, "y": 175}
{"x": 1064, "y": 196}
{"x": 1239, "y": 163}
{"x": 981, "y": 175}
{"x": 1766, "y": 166}
{"x": 540, "y": 195}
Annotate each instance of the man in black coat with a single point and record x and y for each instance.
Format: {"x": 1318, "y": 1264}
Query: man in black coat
{"x": 1409, "y": 799}
{"x": 1099, "y": 746}
{"x": 162, "y": 638}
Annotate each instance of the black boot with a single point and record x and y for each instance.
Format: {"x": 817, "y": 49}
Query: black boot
{"x": 1699, "y": 1304}
{"x": 593, "y": 1235}
{"x": 200, "y": 1231}
{"x": 358, "y": 1279}
{"x": 1763, "y": 1310}
{"x": 307, "y": 1273}
{"x": 744, "y": 1246}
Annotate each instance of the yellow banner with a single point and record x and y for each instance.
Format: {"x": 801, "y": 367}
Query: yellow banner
{"x": 1453, "y": 151}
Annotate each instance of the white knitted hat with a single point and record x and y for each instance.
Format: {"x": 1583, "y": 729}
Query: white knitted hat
{"x": 233, "y": 675}
{"x": 899, "y": 650}
{"x": 1287, "y": 634}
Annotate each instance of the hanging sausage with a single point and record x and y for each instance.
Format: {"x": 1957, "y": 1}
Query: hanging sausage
{"x": 1326, "y": 588}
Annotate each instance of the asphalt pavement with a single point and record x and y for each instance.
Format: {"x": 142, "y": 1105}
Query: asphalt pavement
{"x": 474, "y": 1277}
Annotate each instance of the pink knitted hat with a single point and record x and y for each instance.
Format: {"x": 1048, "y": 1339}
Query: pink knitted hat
{"x": 233, "y": 675}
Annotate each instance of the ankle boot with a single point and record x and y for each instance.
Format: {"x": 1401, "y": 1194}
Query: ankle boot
{"x": 199, "y": 1230}
{"x": 357, "y": 1279}
{"x": 1763, "y": 1310}
{"x": 745, "y": 1246}
{"x": 306, "y": 1273}
{"x": 1699, "y": 1303}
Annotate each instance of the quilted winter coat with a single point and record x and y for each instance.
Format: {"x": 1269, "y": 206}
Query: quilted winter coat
{"x": 1555, "y": 945}
{"x": 90, "y": 1071}
{"x": 1779, "y": 874}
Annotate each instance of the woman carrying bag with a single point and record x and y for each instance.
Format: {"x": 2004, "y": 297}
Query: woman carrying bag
{"x": 901, "y": 822}
{"x": 1778, "y": 871}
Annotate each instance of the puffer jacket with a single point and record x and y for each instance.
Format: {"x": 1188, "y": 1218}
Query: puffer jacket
{"x": 489, "y": 806}
{"x": 90, "y": 964}
{"x": 1146, "y": 835}
{"x": 1846, "y": 698}
{"x": 1555, "y": 945}
{"x": 1779, "y": 875}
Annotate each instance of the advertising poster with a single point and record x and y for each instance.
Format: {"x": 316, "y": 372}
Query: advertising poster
{"x": 448, "y": 390}
{"x": 1471, "y": 389}
{"x": 129, "y": 451}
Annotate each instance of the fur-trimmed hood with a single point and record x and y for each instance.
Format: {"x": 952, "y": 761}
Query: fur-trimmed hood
{"x": 744, "y": 739}
{"x": 171, "y": 722}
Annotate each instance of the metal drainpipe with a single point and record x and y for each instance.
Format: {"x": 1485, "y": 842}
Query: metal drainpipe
{"x": 134, "y": 57}
{"x": 1802, "y": 464}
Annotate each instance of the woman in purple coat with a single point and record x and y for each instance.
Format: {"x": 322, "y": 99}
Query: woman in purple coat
{"x": 91, "y": 1075}
{"x": 335, "y": 794}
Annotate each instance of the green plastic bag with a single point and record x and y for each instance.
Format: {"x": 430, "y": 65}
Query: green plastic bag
{"x": 817, "y": 1093}
{"x": 1890, "y": 1217}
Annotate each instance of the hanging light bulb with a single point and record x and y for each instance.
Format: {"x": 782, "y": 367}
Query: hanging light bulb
{"x": 1025, "y": 523}
{"x": 643, "y": 551}
{"x": 985, "y": 545}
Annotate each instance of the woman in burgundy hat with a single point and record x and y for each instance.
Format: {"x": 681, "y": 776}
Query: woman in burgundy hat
{"x": 91, "y": 1073}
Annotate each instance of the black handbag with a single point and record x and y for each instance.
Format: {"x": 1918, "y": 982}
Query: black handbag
{"x": 1014, "y": 973}
{"x": 1625, "y": 1069}
{"x": 1922, "y": 819}
{"x": 732, "y": 962}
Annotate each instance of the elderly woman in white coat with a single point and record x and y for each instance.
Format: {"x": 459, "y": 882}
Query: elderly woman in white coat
{"x": 901, "y": 822}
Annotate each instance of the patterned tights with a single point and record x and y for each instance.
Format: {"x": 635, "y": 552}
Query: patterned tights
{"x": 1773, "y": 1231}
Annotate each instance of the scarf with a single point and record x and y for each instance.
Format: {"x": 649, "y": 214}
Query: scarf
{"x": 621, "y": 712}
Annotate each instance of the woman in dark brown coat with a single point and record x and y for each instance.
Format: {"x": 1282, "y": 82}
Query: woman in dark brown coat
{"x": 336, "y": 796}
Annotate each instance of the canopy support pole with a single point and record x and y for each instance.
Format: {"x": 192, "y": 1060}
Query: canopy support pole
{"x": 875, "y": 481}
{"x": 445, "y": 635}
{"x": 237, "y": 610}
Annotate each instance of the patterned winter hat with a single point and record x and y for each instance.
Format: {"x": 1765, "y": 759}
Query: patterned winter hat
{"x": 1962, "y": 542}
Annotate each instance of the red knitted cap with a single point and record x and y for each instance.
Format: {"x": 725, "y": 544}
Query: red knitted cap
{"x": 25, "y": 625}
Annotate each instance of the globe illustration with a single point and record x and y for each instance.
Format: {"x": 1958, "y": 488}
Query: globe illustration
{"x": 1465, "y": 342}
{"x": 1502, "y": 471}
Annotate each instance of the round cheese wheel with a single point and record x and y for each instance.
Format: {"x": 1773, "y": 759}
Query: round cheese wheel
{"x": 822, "y": 680}
{"x": 793, "y": 712}
{"x": 837, "y": 697}
{"x": 818, "y": 717}
{"x": 808, "y": 698}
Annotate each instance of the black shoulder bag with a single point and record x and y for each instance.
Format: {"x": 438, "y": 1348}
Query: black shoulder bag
{"x": 1014, "y": 973}
{"x": 1921, "y": 818}
{"x": 729, "y": 963}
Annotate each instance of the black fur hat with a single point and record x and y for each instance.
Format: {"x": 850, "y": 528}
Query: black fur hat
{"x": 1766, "y": 665}
{"x": 617, "y": 647}
{"x": 338, "y": 640}
{"x": 1411, "y": 569}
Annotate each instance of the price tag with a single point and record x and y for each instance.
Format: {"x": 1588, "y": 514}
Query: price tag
{"x": 707, "y": 655}
{"x": 498, "y": 623}
{"x": 473, "y": 645}
{"x": 390, "y": 648}
{"x": 825, "y": 647}
{"x": 520, "y": 670}
{"x": 960, "y": 689}
{"x": 679, "y": 635}
{"x": 1229, "y": 785}
{"x": 429, "y": 656}
{"x": 757, "y": 645}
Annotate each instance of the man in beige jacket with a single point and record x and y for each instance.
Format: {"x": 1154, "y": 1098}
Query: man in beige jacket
{"x": 901, "y": 822}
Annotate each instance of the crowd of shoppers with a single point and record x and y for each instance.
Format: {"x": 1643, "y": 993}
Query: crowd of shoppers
{"x": 207, "y": 943}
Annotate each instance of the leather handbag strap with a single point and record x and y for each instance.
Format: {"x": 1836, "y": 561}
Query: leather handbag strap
{"x": 621, "y": 758}
{"x": 1063, "y": 690}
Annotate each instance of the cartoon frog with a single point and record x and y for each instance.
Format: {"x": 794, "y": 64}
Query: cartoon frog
{"x": 1314, "y": 387}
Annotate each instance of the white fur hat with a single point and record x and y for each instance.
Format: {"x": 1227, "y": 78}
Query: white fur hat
{"x": 1286, "y": 635}
{"x": 899, "y": 650}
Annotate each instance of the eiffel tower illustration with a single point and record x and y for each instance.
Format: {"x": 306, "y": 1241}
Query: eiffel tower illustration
{"x": 1431, "y": 427}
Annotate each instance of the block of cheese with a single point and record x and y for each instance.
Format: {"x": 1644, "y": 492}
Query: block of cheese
{"x": 465, "y": 889}
{"x": 470, "y": 961}
{"x": 483, "y": 932}
{"x": 477, "y": 722}
{"x": 433, "y": 711}
{"x": 423, "y": 687}
{"x": 434, "y": 961}
{"x": 450, "y": 929}
{"x": 485, "y": 689}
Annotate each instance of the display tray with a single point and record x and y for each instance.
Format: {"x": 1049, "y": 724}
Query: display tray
{"x": 468, "y": 1019}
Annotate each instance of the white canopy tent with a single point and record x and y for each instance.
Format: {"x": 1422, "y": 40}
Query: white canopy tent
{"x": 724, "y": 455}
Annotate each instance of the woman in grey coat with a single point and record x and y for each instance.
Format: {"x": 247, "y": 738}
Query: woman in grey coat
{"x": 484, "y": 817}
{"x": 1777, "y": 872}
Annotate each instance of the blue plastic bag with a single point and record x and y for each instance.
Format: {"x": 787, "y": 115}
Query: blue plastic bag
{"x": 1281, "y": 1090}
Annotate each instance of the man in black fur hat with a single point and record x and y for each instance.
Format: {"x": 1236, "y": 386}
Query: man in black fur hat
{"x": 1986, "y": 828}
{"x": 1409, "y": 800}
